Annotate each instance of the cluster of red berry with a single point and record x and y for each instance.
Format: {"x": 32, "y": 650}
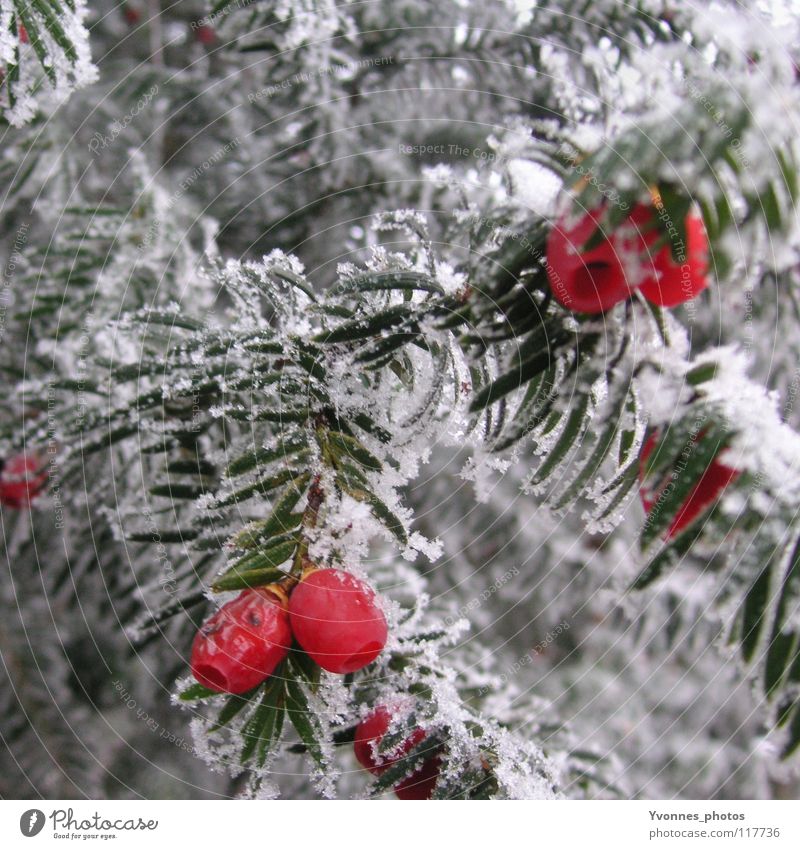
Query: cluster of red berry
{"x": 594, "y": 280}
{"x": 335, "y": 618}
{"x": 21, "y": 480}
{"x": 203, "y": 33}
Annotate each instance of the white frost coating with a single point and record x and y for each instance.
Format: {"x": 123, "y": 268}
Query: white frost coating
{"x": 35, "y": 89}
{"x": 762, "y": 443}
{"x": 482, "y": 470}
{"x": 515, "y": 572}
{"x": 449, "y": 279}
{"x": 535, "y": 186}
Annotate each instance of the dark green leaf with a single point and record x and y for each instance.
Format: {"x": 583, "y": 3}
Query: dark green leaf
{"x": 512, "y": 380}
{"x": 406, "y": 765}
{"x": 232, "y": 707}
{"x": 784, "y": 646}
{"x": 260, "y": 487}
{"x": 234, "y": 579}
{"x": 347, "y": 446}
{"x": 264, "y": 456}
{"x": 569, "y": 435}
{"x": 793, "y": 741}
{"x": 388, "y": 280}
{"x": 281, "y": 520}
{"x": 164, "y": 536}
{"x": 380, "y": 510}
{"x": 176, "y": 490}
{"x": 754, "y": 611}
{"x": 695, "y": 457}
{"x": 256, "y": 570}
{"x": 260, "y": 728}
{"x": 196, "y": 691}
{"x": 366, "y": 424}
{"x": 304, "y": 667}
{"x": 595, "y": 460}
{"x": 303, "y": 719}
{"x": 668, "y": 556}
{"x": 364, "y": 328}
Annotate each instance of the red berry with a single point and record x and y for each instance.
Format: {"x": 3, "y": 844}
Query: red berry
{"x": 705, "y": 492}
{"x": 677, "y": 282}
{"x": 369, "y": 734}
{"x": 592, "y": 281}
{"x": 131, "y": 15}
{"x": 336, "y": 619}
{"x": 595, "y": 280}
{"x": 205, "y": 34}
{"x": 21, "y": 480}
{"x": 22, "y": 33}
{"x": 421, "y": 783}
{"x": 242, "y": 643}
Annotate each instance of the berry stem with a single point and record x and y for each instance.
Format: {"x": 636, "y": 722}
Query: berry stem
{"x": 314, "y": 501}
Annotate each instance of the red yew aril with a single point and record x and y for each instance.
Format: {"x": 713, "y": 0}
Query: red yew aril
{"x": 675, "y": 283}
{"x": 336, "y": 619}
{"x": 371, "y": 731}
{"x": 703, "y": 495}
{"x": 205, "y": 34}
{"x": 132, "y": 15}
{"x": 590, "y": 281}
{"x": 421, "y": 783}
{"x": 597, "y": 279}
{"x": 21, "y": 480}
{"x": 242, "y": 643}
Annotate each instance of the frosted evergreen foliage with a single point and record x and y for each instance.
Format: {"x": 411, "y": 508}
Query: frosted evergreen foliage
{"x": 277, "y": 294}
{"x": 44, "y": 56}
